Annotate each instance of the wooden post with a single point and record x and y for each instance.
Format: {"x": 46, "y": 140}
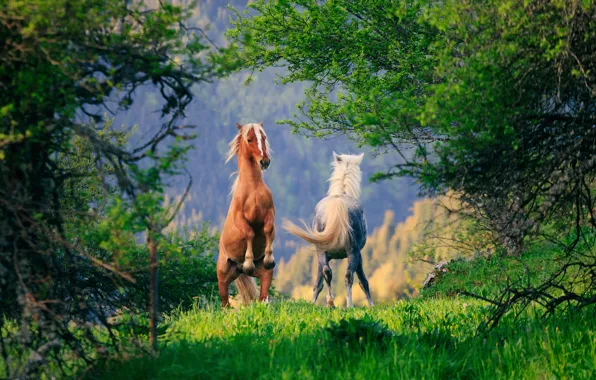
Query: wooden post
{"x": 153, "y": 291}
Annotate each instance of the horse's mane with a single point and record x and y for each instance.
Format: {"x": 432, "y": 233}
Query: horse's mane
{"x": 346, "y": 176}
{"x": 234, "y": 146}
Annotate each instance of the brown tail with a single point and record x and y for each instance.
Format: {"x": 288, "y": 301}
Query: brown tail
{"x": 337, "y": 227}
{"x": 247, "y": 288}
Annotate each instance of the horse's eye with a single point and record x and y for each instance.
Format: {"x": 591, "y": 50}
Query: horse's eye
{"x": 249, "y": 140}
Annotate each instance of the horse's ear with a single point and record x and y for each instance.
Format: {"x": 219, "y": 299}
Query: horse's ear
{"x": 336, "y": 157}
{"x": 239, "y": 126}
{"x": 360, "y": 158}
{"x": 261, "y": 123}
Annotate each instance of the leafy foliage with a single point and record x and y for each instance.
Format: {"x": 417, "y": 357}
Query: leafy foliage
{"x": 518, "y": 112}
{"x": 489, "y": 276}
{"x": 62, "y": 64}
{"x": 370, "y": 63}
{"x": 186, "y": 272}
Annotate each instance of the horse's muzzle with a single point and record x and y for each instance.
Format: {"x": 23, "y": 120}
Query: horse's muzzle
{"x": 265, "y": 163}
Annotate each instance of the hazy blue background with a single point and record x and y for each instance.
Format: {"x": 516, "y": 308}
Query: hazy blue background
{"x": 300, "y": 166}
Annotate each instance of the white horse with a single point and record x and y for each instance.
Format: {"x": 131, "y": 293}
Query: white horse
{"x": 339, "y": 228}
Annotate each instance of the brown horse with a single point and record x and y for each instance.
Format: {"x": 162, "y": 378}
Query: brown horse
{"x": 246, "y": 243}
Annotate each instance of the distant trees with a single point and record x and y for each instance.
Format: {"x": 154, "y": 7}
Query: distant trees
{"x": 62, "y": 64}
{"x": 496, "y": 99}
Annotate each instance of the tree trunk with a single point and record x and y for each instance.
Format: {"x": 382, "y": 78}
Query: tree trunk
{"x": 153, "y": 293}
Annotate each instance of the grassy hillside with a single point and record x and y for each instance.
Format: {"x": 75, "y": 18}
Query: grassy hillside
{"x": 391, "y": 273}
{"x": 410, "y": 339}
{"x": 488, "y": 276}
{"x": 434, "y": 335}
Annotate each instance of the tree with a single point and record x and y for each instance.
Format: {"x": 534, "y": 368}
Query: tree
{"x": 497, "y": 99}
{"x": 370, "y": 64}
{"x": 518, "y": 109}
{"x": 61, "y": 64}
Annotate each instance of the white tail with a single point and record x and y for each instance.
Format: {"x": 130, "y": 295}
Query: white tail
{"x": 247, "y": 288}
{"x": 336, "y": 233}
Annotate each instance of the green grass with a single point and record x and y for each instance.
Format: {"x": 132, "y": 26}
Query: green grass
{"x": 488, "y": 276}
{"x": 422, "y": 339}
{"x": 431, "y": 337}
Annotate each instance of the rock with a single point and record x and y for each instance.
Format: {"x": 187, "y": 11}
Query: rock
{"x": 432, "y": 277}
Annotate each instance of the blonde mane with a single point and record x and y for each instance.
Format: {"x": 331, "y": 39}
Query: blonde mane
{"x": 346, "y": 176}
{"x": 234, "y": 146}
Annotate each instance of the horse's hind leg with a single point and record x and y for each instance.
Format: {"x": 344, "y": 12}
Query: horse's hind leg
{"x": 265, "y": 277}
{"x": 227, "y": 272}
{"x": 354, "y": 260}
{"x": 327, "y": 275}
{"x": 269, "y": 230}
{"x": 318, "y": 283}
{"x": 364, "y": 283}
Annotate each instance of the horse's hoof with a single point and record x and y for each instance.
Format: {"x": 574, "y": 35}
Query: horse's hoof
{"x": 270, "y": 265}
{"x": 248, "y": 268}
{"x": 330, "y": 303}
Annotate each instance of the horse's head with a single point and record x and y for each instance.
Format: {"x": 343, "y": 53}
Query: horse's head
{"x": 347, "y": 159}
{"x": 346, "y": 176}
{"x": 251, "y": 142}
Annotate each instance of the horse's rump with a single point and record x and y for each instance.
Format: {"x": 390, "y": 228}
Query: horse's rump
{"x": 331, "y": 228}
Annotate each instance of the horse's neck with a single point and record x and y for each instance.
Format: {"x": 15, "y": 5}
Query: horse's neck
{"x": 248, "y": 172}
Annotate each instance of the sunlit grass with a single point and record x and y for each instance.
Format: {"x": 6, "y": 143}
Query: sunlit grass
{"x": 423, "y": 338}
{"x": 435, "y": 338}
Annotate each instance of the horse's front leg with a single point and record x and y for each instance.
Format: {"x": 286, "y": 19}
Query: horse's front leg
{"x": 354, "y": 260}
{"x": 269, "y": 230}
{"x": 248, "y": 267}
{"x": 327, "y": 275}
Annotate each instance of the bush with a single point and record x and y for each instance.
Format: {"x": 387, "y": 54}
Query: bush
{"x": 185, "y": 275}
{"x": 186, "y": 271}
{"x": 489, "y": 276}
